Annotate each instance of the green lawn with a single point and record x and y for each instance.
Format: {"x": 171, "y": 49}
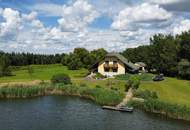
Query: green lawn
{"x": 170, "y": 90}
{"x": 42, "y": 72}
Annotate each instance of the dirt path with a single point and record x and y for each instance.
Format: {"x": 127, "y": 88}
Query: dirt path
{"x": 127, "y": 98}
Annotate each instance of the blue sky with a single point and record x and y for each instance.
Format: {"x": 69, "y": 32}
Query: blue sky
{"x": 57, "y": 26}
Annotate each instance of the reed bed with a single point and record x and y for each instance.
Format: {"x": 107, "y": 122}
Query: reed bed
{"x": 100, "y": 95}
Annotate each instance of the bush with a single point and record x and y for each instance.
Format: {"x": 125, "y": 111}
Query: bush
{"x": 61, "y": 78}
{"x": 133, "y": 82}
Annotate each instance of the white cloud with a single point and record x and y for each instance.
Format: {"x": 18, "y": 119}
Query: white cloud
{"x": 132, "y": 26}
{"x": 30, "y": 16}
{"x": 139, "y": 14}
{"x": 48, "y": 9}
{"x": 77, "y": 16}
{"x": 37, "y": 23}
{"x": 12, "y": 22}
{"x": 183, "y": 25}
{"x": 164, "y": 1}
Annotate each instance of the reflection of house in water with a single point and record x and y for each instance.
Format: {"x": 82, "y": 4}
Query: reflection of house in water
{"x": 114, "y": 64}
{"x": 141, "y": 66}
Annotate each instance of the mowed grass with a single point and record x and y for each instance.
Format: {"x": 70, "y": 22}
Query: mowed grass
{"x": 41, "y": 72}
{"x": 170, "y": 90}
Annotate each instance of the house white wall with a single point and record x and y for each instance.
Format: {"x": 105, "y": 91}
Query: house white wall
{"x": 121, "y": 67}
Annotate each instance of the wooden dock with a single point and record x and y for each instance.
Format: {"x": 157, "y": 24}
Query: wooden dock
{"x": 122, "y": 109}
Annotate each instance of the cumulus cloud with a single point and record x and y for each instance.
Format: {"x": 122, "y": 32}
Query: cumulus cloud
{"x": 30, "y": 16}
{"x": 48, "y": 9}
{"x": 12, "y": 22}
{"x": 77, "y": 16}
{"x": 132, "y": 17}
{"x": 183, "y": 25}
{"x": 163, "y": 1}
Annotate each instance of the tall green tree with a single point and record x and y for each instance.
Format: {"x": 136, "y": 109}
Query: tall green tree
{"x": 4, "y": 66}
{"x": 184, "y": 41}
{"x": 165, "y": 51}
{"x": 184, "y": 69}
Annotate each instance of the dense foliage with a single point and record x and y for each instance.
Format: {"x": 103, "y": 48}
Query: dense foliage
{"x": 164, "y": 54}
{"x": 133, "y": 82}
{"x": 184, "y": 69}
{"x": 4, "y": 66}
{"x": 19, "y": 59}
{"x": 82, "y": 58}
{"x": 61, "y": 78}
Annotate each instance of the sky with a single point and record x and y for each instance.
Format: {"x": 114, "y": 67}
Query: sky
{"x": 59, "y": 26}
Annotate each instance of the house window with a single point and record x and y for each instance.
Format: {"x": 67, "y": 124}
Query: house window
{"x": 114, "y": 62}
{"x": 115, "y": 66}
{"x": 115, "y": 69}
{"x": 106, "y": 66}
{"x": 106, "y": 69}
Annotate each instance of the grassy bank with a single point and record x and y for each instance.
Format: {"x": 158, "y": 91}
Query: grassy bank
{"x": 171, "y": 90}
{"x": 100, "y": 95}
{"x": 169, "y": 97}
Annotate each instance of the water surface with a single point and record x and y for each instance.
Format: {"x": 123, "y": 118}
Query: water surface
{"x": 70, "y": 113}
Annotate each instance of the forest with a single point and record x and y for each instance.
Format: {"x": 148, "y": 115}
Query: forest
{"x": 166, "y": 54}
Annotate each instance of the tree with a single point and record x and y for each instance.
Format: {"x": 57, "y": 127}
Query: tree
{"x": 184, "y": 69}
{"x": 164, "y": 54}
{"x": 4, "y": 66}
{"x": 74, "y": 63}
{"x": 184, "y": 41}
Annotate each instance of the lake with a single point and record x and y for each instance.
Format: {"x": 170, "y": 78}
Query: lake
{"x": 71, "y": 113}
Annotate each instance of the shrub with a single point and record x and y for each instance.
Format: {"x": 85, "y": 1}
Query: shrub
{"x": 61, "y": 78}
{"x": 133, "y": 82}
{"x": 127, "y": 86}
{"x": 98, "y": 86}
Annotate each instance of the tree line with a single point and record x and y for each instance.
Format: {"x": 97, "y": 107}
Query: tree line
{"x": 166, "y": 54}
{"x": 20, "y": 59}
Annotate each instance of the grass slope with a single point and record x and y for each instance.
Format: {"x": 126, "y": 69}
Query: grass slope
{"x": 41, "y": 72}
{"x": 170, "y": 90}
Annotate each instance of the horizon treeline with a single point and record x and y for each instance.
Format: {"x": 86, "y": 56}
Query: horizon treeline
{"x": 166, "y": 54}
